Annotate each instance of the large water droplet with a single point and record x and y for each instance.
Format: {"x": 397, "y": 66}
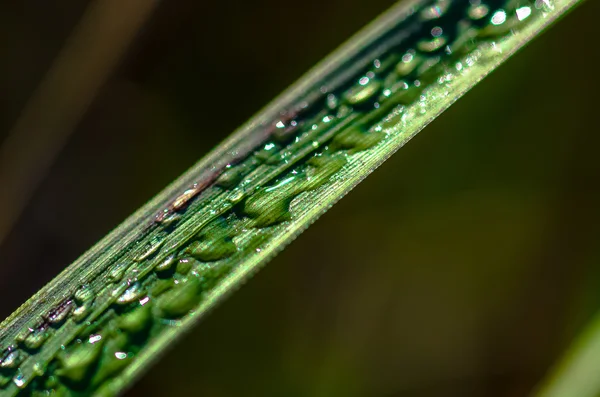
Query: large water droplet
{"x": 150, "y": 248}
{"x": 363, "y": 91}
{"x": 132, "y": 294}
{"x": 11, "y": 358}
{"x": 36, "y": 339}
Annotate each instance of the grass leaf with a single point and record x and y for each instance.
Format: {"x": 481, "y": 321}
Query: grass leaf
{"x": 97, "y": 326}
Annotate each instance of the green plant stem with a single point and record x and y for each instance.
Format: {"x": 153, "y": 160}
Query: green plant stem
{"x": 97, "y": 326}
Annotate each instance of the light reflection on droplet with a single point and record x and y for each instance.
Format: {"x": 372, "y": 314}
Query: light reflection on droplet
{"x": 95, "y": 338}
{"x": 499, "y": 17}
{"x": 121, "y": 355}
{"x": 280, "y": 124}
{"x": 437, "y": 31}
{"x": 19, "y": 380}
{"x": 478, "y": 11}
{"x": 523, "y": 13}
{"x": 363, "y": 81}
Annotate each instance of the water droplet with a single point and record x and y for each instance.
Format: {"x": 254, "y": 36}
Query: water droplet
{"x": 150, "y": 248}
{"x": 236, "y": 196}
{"x": 77, "y": 363}
{"x": 118, "y": 271}
{"x": 11, "y": 358}
{"x": 137, "y": 321}
{"x": 231, "y": 178}
{"x": 523, "y": 13}
{"x": 36, "y": 339}
{"x": 58, "y": 315}
{"x": 84, "y": 294}
{"x": 431, "y": 45}
{"x": 130, "y": 295}
{"x": 435, "y": 11}
{"x": 499, "y": 17}
{"x": 477, "y": 11}
{"x": 165, "y": 264}
{"x": 185, "y": 197}
{"x": 363, "y": 91}
{"x": 169, "y": 219}
{"x": 332, "y": 101}
{"x": 20, "y": 381}
{"x": 39, "y": 368}
{"x": 211, "y": 248}
{"x": 94, "y": 338}
{"x": 181, "y": 299}
{"x": 81, "y": 312}
{"x": 407, "y": 64}
{"x": 184, "y": 266}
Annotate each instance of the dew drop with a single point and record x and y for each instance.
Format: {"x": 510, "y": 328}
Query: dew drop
{"x": 362, "y": 92}
{"x": 165, "y": 264}
{"x": 150, "y": 248}
{"x": 39, "y": 368}
{"x": 118, "y": 271}
{"x": 185, "y": 197}
{"x": 180, "y": 300}
{"x": 476, "y": 12}
{"x": 36, "y": 339}
{"x": 84, "y": 294}
{"x": 80, "y": 313}
{"x": 130, "y": 295}
{"x": 59, "y": 315}
{"x": 435, "y": 11}
{"x": 20, "y": 380}
{"x": 11, "y": 358}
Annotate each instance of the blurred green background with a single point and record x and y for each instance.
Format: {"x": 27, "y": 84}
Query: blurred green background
{"x": 463, "y": 267}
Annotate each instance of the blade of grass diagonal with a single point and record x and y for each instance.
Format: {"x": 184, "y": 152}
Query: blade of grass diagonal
{"x": 577, "y": 373}
{"x": 96, "y": 327}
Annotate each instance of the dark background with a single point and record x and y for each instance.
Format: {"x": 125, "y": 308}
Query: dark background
{"x": 463, "y": 267}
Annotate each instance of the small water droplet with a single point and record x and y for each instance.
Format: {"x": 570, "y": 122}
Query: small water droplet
{"x": 366, "y": 89}
{"x": 169, "y": 219}
{"x": 20, "y": 380}
{"x": 431, "y": 45}
{"x": 39, "y": 368}
{"x": 83, "y": 294}
{"x": 435, "y": 11}
{"x": 185, "y": 197}
{"x": 165, "y": 264}
{"x": 180, "y": 300}
{"x": 11, "y": 358}
{"x": 59, "y": 314}
{"x": 130, "y": 295}
{"x": 236, "y": 196}
{"x": 36, "y": 339}
{"x": 150, "y": 248}
{"x": 499, "y": 17}
{"x": 95, "y": 338}
{"x": 118, "y": 271}
{"x": 81, "y": 312}
{"x": 477, "y": 11}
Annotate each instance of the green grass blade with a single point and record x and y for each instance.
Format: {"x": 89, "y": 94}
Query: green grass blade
{"x": 577, "y": 373}
{"x": 97, "y": 326}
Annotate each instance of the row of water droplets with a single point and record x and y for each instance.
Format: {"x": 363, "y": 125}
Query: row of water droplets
{"x": 211, "y": 228}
